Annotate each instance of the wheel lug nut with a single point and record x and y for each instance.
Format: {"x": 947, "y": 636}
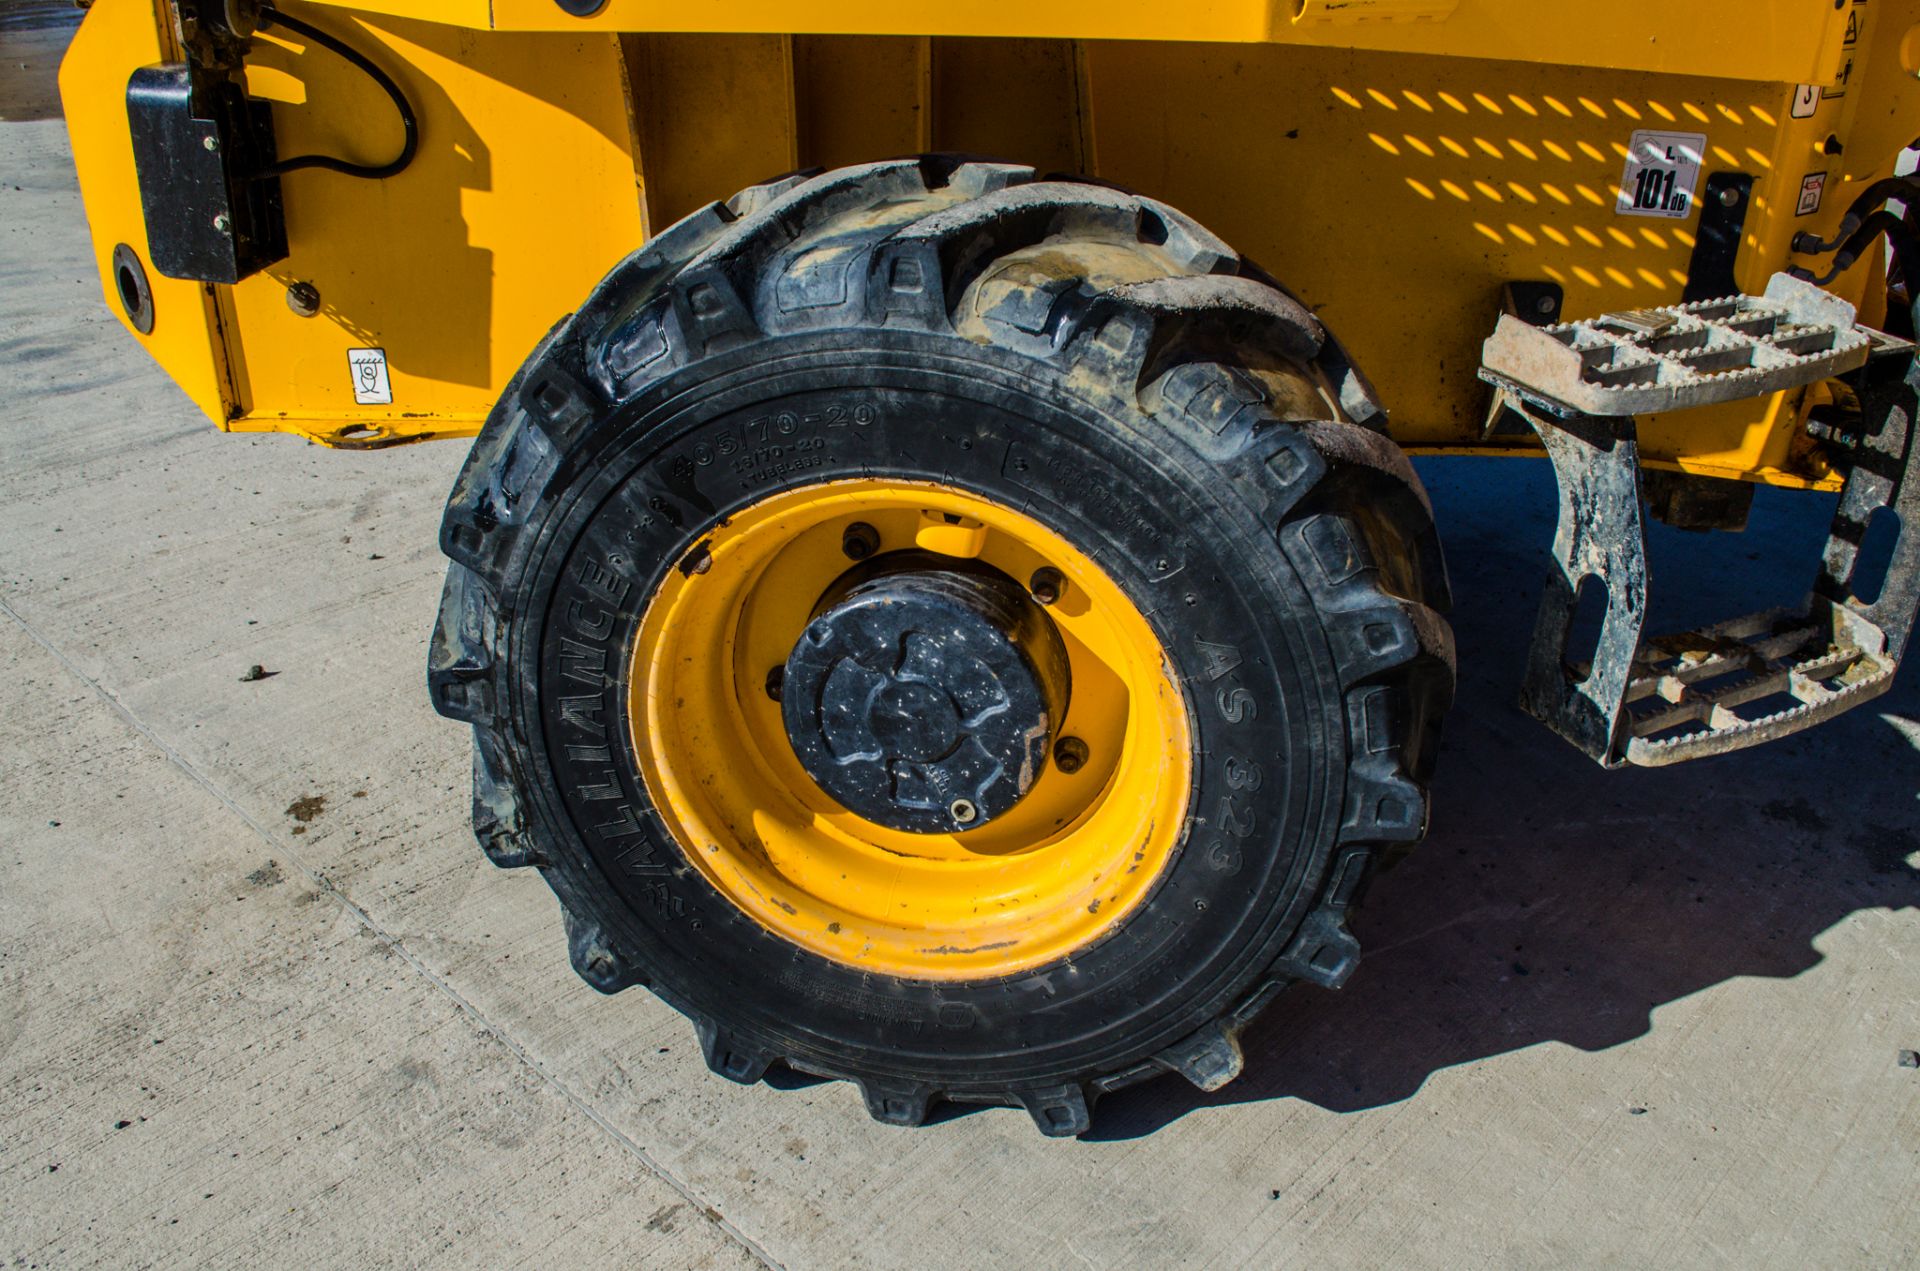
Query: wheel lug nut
{"x": 776, "y": 680}
{"x": 1070, "y": 755}
{"x": 1048, "y": 585}
{"x": 860, "y": 541}
{"x": 962, "y": 811}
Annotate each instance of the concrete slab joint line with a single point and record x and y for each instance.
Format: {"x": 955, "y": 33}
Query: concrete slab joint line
{"x": 392, "y": 942}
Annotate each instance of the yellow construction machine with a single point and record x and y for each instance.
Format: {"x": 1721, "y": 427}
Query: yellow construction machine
{"x": 946, "y": 617}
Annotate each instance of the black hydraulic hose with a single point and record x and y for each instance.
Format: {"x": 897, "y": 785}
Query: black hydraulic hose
{"x": 273, "y": 17}
{"x": 1899, "y": 232}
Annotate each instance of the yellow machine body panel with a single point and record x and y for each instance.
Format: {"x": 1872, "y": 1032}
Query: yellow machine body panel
{"x": 435, "y": 268}
{"x": 1396, "y": 163}
{"x": 1740, "y": 38}
{"x": 1397, "y": 193}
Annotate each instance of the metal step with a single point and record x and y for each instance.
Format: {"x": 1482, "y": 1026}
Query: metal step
{"x": 1646, "y": 361}
{"x": 1652, "y": 702}
{"x": 1750, "y": 680}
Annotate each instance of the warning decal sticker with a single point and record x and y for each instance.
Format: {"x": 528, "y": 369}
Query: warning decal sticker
{"x": 1663, "y": 173}
{"x": 1812, "y": 188}
{"x": 370, "y": 384}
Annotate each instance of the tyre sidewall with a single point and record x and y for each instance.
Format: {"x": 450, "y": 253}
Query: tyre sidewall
{"x": 1189, "y": 539}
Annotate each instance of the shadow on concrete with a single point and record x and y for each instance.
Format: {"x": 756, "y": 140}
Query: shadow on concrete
{"x": 1555, "y": 902}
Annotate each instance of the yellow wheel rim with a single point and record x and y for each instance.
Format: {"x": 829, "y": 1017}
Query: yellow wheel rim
{"x": 1061, "y": 868}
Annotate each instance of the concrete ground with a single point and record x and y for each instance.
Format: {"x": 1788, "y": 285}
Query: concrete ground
{"x": 263, "y": 1003}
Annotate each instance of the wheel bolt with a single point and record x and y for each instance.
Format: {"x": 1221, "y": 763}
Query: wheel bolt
{"x": 776, "y": 680}
{"x": 962, "y": 811}
{"x": 860, "y": 541}
{"x": 1070, "y": 755}
{"x": 1048, "y": 585}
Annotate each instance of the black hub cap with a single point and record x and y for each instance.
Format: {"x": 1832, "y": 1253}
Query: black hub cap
{"x": 925, "y": 693}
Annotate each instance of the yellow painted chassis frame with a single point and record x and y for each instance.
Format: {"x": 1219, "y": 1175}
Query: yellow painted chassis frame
{"x": 1395, "y": 161}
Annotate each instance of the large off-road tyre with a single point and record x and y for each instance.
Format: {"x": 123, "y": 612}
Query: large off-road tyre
{"x": 951, "y": 630}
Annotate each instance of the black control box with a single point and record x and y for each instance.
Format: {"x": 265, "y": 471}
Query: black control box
{"x": 198, "y": 150}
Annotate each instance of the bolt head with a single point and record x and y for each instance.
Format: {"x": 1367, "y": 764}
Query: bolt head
{"x": 221, "y": 223}
{"x": 304, "y": 299}
{"x": 1047, "y": 585}
{"x": 962, "y": 811}
{"x": 1070, "y": 755}
{"x": 1729, "y": 197}
{"x": 859, "y": 541}
{"x": 211, "y": 143}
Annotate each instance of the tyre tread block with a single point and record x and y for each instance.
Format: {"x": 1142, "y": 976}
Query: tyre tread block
{"x": 1059, "y": 1112}
{"x": 467, "y": 529}
{"x": 729, "y": 1055}
{"x": 959, "y": 242}
{"x": 1210, "y": 1058}
{"x": 460, "y": 652}
{"x": 896, "y": 1103}
{"x": 594, "y": 957}
{"x": 757, "y": 198}
{"x": 498, "y": 821}
{"x": 1325, "y": 952}
{"x": 1229, "y": 308}
{"x": 636, "y": 280}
